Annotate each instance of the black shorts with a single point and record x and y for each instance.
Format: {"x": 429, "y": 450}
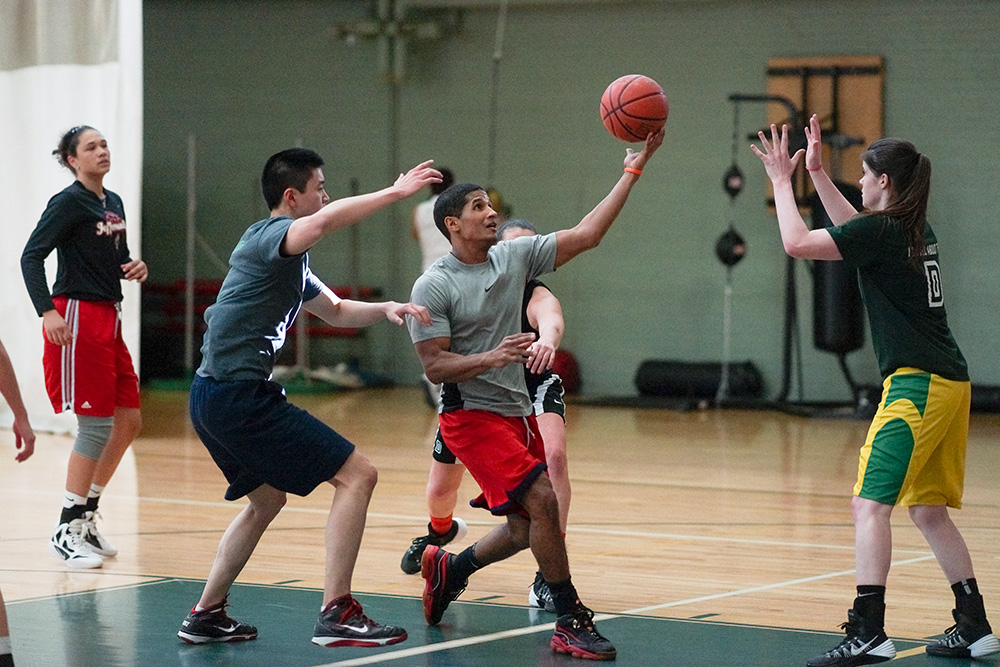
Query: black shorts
{"x": 547, "y": 398}
{"x": 257, "y": 437}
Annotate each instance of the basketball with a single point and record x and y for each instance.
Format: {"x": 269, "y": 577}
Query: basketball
{"x": 633, "y": 106}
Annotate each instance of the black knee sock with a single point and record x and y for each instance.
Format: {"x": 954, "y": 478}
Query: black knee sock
{"x": 465, "y": 564}
{"x": 564, "y": 596}
{"x": 968, "y": 601}
{"x": 870, "y": 605}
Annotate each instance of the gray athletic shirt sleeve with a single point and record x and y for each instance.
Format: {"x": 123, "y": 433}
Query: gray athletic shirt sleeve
{"x": 477, "y": 306}
{"x": 258, "y": 302}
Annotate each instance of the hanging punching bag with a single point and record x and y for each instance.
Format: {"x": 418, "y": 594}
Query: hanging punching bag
{"x": 838, "y": 313}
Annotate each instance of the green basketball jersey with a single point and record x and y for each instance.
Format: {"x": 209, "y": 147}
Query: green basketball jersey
{"x": 905, "y": 302}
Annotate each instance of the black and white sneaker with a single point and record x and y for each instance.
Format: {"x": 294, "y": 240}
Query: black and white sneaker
{"x": 576, "y": 635}
{"x": 968, "y": 638}
{"x": 347, "y": 625}
{"x": 540, "y": 596}
{"x": 411, "y": 559}
{"x": 69, "y": 544}
{"x": 214, "y": 625}
{"x": 861, "y": 646}
{"x": 98, "y": 543}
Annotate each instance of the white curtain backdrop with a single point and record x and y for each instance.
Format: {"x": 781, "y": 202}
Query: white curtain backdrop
{"x": 63, "y": 63}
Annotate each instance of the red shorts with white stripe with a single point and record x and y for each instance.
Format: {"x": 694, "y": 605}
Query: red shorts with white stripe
{"x": 93, "y": 375}
{"x": 504, "y": 454}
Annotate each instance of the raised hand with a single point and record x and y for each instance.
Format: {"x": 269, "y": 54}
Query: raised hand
{"x": 417, "y": 178}
{"x": 777, "y": 163}
{"x": 638, "y": 160}
{"x": 814, "y": 145}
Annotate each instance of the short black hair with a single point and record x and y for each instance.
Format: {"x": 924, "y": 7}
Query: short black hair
{"x": 447, "y": 180}
{"x": 451, "y": 202}
{"x": 290, "y": 168}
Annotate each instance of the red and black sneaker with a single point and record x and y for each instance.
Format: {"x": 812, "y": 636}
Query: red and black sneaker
{"x": 438, "y": 590}
{"x": 346, "y": 625}
{"x": 214, "y": 625}
{"x": 576, "y": 635}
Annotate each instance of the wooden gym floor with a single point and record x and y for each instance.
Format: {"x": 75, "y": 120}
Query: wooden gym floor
{"x": 700, "y": 538}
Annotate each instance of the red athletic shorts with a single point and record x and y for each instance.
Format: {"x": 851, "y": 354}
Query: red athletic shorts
{"x": 504, "y": 454}
{"x": 93, "y": 375}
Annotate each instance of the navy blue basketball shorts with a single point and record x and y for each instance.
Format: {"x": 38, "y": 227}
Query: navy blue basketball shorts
{"x": 257, "y": 437}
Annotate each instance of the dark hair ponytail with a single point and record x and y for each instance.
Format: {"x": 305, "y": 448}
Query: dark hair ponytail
{"x": 68, "y": 144}
{"x": 909, "y": 174}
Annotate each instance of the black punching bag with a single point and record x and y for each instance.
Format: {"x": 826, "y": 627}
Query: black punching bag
{"x": 838, "y": 313}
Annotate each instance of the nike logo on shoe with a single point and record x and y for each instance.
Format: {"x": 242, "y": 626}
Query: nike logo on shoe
{"x": 360, "y": 629}
{"x": 858, "y": 650}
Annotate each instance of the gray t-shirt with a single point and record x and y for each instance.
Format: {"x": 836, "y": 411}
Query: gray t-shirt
{"x": 258, "y": 302}
{"x": 477, "y": 306}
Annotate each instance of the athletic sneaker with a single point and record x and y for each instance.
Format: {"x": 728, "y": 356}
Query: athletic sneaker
{"x": 214, "y": 625}
{"x": 98, "y": 543}
{"x": 438, "y": 591}
{"x": 862, "y": 646}
{"x": 411, "y": 559}
{"x": 69, "y": 544}
{"x": 968, "y": 638}
{"x": 347, "y": 625}
{"x": 576, "y": 635}
{"x": 540, "y": 596}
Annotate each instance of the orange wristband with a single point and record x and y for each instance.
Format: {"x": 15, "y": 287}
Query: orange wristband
{"x": 632, "y": 170}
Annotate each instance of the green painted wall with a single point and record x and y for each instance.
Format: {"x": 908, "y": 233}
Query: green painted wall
{"x": 252, "y": 77}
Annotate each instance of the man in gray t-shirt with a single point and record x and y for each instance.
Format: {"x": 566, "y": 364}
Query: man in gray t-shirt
{"x": 475, "y": 347}
{"x": 265, "y": 446}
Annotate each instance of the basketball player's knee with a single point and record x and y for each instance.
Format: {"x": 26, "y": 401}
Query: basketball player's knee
{"x": 92, "y": 436}
{"x": 520, "y": 531}
{"x": 926, "y": 517}
{"x": 361, "y": 475}
{"x": 129, "y": 422}
{"x": 557, "y": 461}
{"x": 540, "y": 499}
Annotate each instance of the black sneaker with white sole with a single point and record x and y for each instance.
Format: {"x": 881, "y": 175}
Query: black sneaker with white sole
{"x": 214, "y": 625}
{"x": 861, "y": 646}
{"x": 411, "y": 559}
{"x": 347, "y": 625}
{"x": 968, "y": 638}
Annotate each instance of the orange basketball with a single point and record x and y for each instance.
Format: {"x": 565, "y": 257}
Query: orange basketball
{"x": 633, "y": 106}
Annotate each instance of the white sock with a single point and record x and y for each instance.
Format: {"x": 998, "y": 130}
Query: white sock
{"x": 70, "y": 499}
{"x": 5, "y": 646}
{"x": 95, "y": 491}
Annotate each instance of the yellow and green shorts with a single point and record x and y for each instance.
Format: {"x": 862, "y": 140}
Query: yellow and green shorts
{"x": 915, "y": 450}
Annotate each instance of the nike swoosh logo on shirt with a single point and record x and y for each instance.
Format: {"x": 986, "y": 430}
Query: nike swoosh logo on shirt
{"x": 489, "y": 287}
